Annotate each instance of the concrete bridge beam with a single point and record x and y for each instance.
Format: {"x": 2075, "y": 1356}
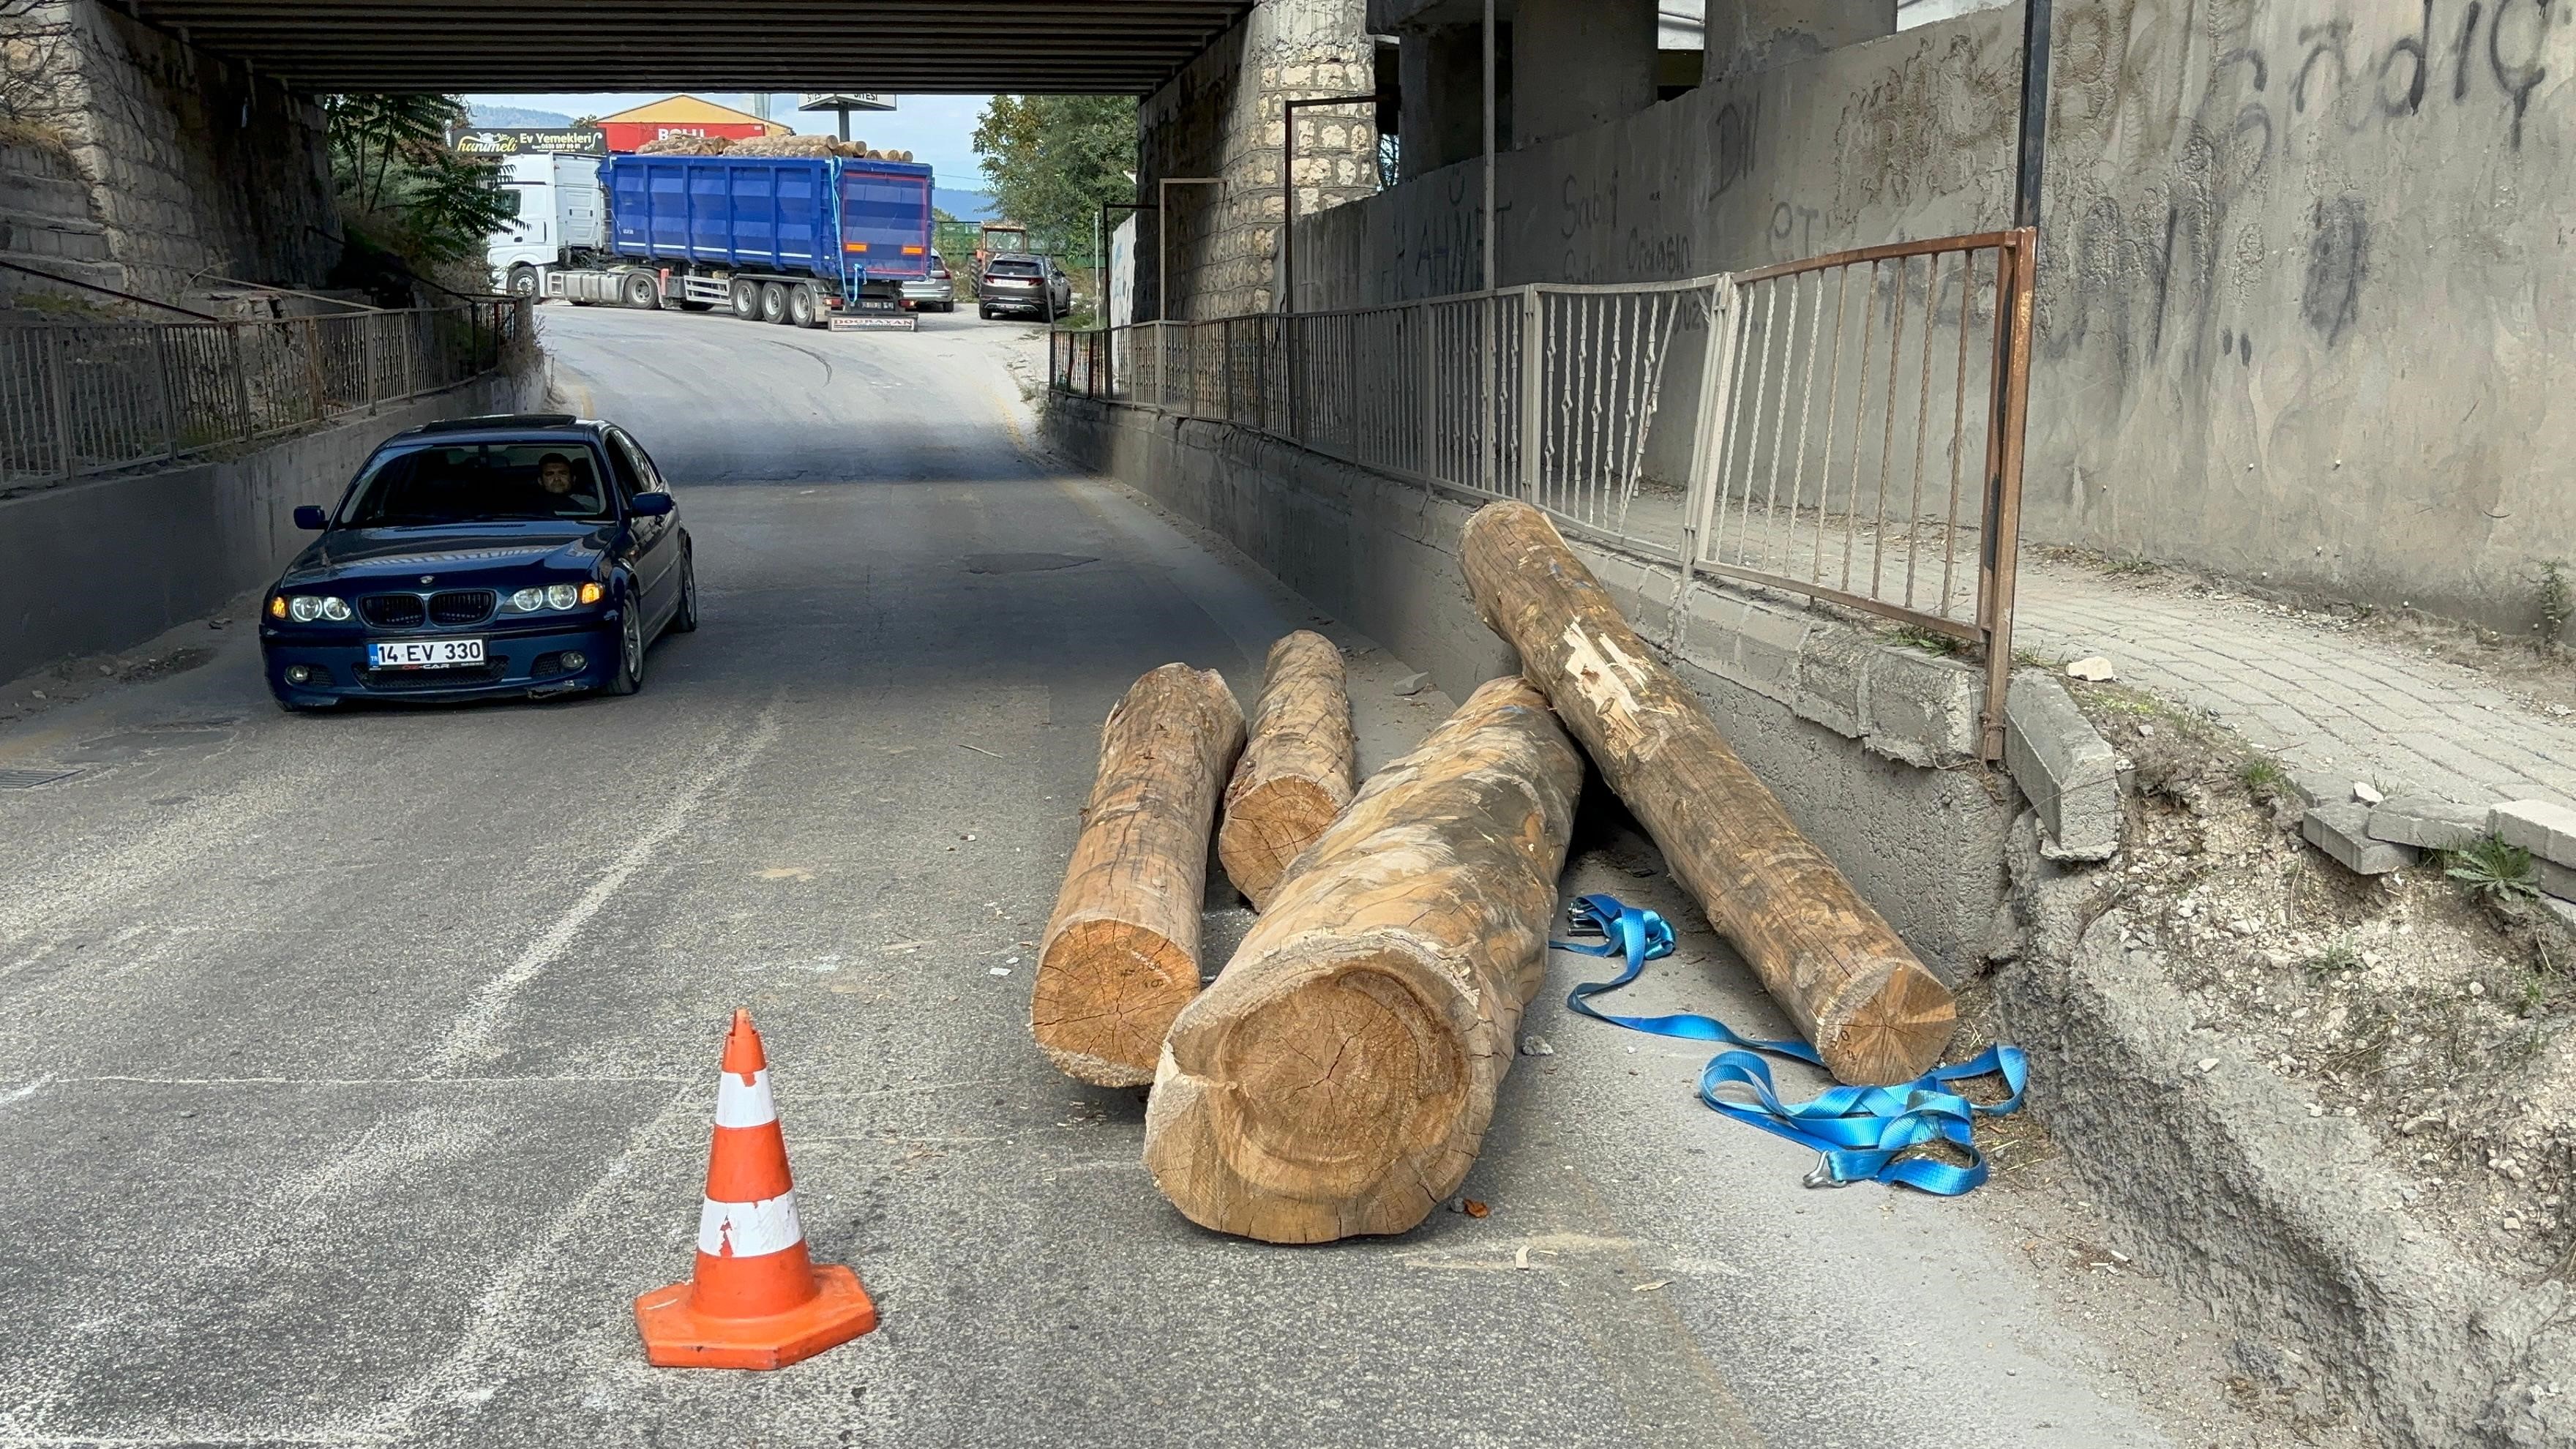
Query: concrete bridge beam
{"x": 1746, "y": 36}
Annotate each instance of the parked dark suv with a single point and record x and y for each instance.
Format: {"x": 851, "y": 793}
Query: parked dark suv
{"x": 1032, "y": 286}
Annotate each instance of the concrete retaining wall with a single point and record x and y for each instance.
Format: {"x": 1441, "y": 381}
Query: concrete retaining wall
{"x": 1877, "y": 775}
{"x": 99, "y": 566}
{"x": 2301, "y": 266}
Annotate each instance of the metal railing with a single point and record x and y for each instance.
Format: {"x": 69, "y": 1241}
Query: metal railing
{"x": 78, "y": 399}
{"x": 1847, "y": 428}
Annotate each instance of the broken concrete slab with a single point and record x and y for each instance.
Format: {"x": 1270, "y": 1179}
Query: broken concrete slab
{"x": 2343, "y": 832}
{"x": 2313, "y": 788}
{"x": 2546, "y": 829}
{"x": 2555, "y": 879}
{"x": 2064, "y": 767}
{"x": 2093, "y": 668}
{"x": 2427, "y": 822}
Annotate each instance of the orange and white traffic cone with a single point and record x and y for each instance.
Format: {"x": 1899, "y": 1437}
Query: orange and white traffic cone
{"x": 756, "y": 1301}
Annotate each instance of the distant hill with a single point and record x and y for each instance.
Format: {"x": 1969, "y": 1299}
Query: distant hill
{"x": 963, "y": 205}
{"x": 514, "y": 116}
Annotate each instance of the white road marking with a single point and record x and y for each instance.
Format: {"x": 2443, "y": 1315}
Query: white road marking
{"x": 482, "y": 1016}
{"x": 20, "y": 1094}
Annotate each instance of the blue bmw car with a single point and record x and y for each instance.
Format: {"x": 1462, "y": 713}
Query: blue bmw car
{"x": 526, "y": 555}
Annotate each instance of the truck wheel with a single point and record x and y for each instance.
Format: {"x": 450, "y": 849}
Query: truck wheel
{"x": 773, "y": 302}
{"x": 523, "y": 280}
{"x": 643, "y": 290}
{"x": 744, "y": 296}
{"x": 804, "y": 306}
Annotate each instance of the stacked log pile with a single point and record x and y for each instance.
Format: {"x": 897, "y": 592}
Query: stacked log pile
{"x": 1298, "y": 770}
{"x": 1338, "y": 1076}
{"x": 1121, "y": 954}
{"x": 1856, "y": 992}
{"x": 806, "y": 146}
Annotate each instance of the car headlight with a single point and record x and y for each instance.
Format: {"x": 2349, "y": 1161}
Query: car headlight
{"x": 305, "y": 608}
{"x": 537, "y": 598}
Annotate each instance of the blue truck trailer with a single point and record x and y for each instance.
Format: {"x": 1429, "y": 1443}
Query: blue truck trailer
{"x": 787, "y": 239}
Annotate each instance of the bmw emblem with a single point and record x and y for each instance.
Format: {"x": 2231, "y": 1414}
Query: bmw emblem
{"x": 429, "y": 578}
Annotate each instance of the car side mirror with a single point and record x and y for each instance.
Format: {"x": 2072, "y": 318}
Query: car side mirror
{"x": 650, "y": 505}
{"x": 311, "y": 518}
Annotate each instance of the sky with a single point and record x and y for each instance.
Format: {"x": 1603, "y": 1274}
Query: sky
{"x": 936, "y": 129}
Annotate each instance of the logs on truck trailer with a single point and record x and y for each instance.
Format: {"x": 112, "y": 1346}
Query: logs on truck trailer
{"x": 1121, "y": 955}
{"x": 1300, "y": 766}
{"x": 1338, "y": 1077}
{"x": 1854, "y": 989}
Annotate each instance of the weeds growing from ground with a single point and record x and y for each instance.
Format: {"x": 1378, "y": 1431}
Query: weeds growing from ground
{"x": 2557, "y": 601}
{"x": 2493, "y": 870}
{"x": 2332, "y": 961}
{"x": 1924, "y": 639}
{"x": 2133, "y": 564}
{"x": 2262, "y": 777}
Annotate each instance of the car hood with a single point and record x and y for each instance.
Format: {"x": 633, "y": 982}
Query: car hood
{"x": 450, "y": 553}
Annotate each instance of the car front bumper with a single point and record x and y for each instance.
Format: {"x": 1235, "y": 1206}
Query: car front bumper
{"x": 521, "y": 663}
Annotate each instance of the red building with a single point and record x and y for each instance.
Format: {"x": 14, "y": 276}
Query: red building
{"x": 681, "y": 116}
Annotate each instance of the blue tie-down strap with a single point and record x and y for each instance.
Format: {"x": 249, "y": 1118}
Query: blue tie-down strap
{"x": 1860, "y": 1134}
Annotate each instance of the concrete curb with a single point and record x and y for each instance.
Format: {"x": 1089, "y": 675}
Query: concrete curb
{"x": 2289, "y": 1227}
{"x": 2065, "y": 769}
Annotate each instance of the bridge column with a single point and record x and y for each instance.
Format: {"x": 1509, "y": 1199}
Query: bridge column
{"x": 1745, "y": 36}
{"x": 1221, "y": 118}
{"x": 1442, "y": 79}
{"x": 1580, "y": 63}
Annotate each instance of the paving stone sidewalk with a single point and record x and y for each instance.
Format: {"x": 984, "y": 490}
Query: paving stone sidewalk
{"x": 2313, "y": 695}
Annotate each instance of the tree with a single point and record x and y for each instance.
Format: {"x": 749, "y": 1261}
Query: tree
{"x": 1052, "y": 160}
{"x": 402, "y": 186}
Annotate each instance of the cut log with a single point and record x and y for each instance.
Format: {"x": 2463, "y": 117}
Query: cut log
{"x": 1337, "y": 1078}
{"x": 1121, "y": 955}
{"x": 1873, "y": 1011}
{"x": 1300, "y": 766}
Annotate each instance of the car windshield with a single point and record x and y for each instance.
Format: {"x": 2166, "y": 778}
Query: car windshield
{"x": 479, "y": 483}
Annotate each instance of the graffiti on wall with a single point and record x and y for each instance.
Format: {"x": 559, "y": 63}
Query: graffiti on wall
{"x": 2259, "y": 171}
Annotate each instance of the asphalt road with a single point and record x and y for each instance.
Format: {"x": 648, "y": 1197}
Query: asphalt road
{"x": 356, "y": 1071}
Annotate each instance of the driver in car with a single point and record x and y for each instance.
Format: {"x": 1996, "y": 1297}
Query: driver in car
{"x": 555, "y": 475}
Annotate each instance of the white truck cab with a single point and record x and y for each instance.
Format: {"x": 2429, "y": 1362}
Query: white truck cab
{"x": 560, "y": 219}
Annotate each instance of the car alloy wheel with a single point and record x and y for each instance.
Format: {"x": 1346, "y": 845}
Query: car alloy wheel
{"x": 686, "y": 620}
{"x": 630, "y": 650}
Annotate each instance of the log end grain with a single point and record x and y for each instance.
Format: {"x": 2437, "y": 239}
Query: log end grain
{"x": 1267, "y": 826}
{"x": 1302, "y": 1116}
{"x": 1106, "y": 992}
{"x": 1901, "y": 1024}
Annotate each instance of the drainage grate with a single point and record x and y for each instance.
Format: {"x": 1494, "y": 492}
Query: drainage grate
{"x": 30, "y": 779}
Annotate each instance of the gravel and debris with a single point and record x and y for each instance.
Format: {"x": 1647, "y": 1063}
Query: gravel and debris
{"x": 2436, "y": 1015}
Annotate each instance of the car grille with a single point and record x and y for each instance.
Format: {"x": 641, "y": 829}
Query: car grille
{"x": 393, "y": 611}
{"x": 396, "y": 681}
{"x": 462, "y": 606}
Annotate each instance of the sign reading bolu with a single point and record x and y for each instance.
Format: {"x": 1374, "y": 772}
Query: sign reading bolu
{"x": 531, "y": 140}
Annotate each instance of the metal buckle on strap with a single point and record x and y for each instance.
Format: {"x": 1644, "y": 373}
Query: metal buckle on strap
{"x": 1822, "y": 1174}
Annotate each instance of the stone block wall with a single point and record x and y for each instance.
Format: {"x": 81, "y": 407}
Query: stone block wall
{"x": 1221, "y": 116}
{"x": 150, "y": 164}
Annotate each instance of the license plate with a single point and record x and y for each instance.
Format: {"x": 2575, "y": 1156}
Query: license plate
{"x": 424, "y": 653}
